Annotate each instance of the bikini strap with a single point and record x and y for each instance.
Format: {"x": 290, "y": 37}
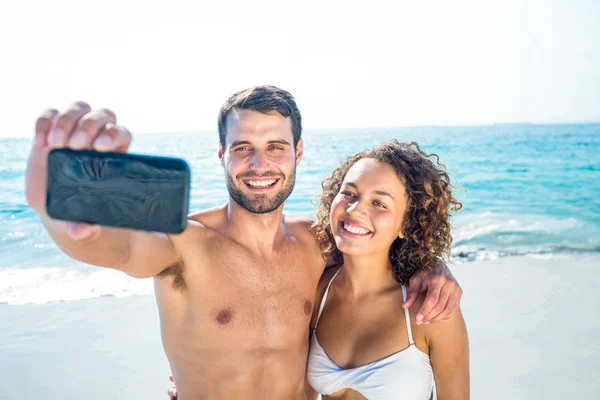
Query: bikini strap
{"x": 407, "y": 318}
{"x": 325, "y": 298}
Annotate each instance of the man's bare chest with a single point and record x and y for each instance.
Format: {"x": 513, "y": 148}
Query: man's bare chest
{"x": 236, "y": 289}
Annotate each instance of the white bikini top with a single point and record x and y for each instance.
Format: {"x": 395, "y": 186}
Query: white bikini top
{"x": 406, "y": 374}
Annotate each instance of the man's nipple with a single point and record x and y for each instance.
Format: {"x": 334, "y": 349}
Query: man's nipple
{"x": 224, "y": 316}
{"x": 307, "y": 307}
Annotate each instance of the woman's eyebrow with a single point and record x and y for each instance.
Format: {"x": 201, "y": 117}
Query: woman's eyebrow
{"x": 378, "y": 192}
{"x": 382, "y": 193}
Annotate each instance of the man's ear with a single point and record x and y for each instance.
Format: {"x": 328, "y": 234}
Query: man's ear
{"x": 299, "y": 151}
{"x": 221, "y": 155}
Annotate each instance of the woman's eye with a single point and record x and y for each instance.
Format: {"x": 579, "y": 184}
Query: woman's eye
{"x": 346, "y": 193}
{"x": 378, "y": 204}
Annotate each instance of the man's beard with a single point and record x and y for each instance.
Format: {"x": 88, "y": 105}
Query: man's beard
{"x": 260, "y": 203}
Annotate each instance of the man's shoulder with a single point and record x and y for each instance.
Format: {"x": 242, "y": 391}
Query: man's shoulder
{"x": 298, "y": 221}
{"x": 199, "y": 235}
{"x": 299, "y": 226}
{"x": 209, "y": 218}
{"x": 201, "y": 227}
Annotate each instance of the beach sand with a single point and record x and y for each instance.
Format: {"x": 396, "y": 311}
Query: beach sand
{"x": 106, "y": 348}
{"x": 533, "y": 324}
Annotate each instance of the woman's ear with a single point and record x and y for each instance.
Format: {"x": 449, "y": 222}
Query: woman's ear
{"x": 401, "y": 233}
{"x": 403, "y": 223}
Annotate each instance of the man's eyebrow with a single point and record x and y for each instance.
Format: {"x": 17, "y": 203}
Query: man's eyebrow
{"x": 239, "y": 142}
{"x": 378, "y": 192}
{"x": 279, "y": 141}
{"x": 246, "y": 142}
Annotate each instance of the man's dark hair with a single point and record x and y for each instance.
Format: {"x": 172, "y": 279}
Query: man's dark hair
{"x": 264, "y": 99}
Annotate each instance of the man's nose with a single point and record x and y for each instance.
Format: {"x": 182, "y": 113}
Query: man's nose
{"x": 259, "y": 161}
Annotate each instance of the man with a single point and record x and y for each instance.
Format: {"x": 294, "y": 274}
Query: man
{"x": 236, "y": 289}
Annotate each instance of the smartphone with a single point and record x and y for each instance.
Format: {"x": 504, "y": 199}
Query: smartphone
{"x": 120, "y": 190}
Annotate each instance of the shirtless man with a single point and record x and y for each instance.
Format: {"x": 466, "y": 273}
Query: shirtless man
{"x": 236, "y": 289}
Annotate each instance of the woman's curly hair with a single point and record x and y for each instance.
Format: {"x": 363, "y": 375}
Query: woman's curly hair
{"x": 426, "y": 224}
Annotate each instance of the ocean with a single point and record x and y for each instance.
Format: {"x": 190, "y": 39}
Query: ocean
{"x": 529, "y": 190}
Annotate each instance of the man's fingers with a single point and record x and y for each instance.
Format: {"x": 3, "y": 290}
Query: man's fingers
{"x": 42, "y": 126}
{"x": 454, "y": 301}
{"x": 89, "y": 126}
{"x": 411, "y": 295}
{"x": 113, "y": 138}
{"x": 64, "y": 123}
{"x": 81, "y": 231}
{"x": 414, "y": 288}
{"x": 172, "y": 392}
{"x": 431, "y": 299}
{"x": 438, "y": 308}
{"x": 451, "y": 306}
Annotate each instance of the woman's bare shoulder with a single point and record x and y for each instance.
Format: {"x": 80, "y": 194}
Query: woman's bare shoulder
{"x": 327, "y": 276}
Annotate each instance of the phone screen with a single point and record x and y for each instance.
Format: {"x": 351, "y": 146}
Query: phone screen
{"x": 121, "y": 190}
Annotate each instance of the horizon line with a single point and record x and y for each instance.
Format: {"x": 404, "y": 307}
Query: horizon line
{"x": 466, "y": 125}
{"x": 204, "y": 130}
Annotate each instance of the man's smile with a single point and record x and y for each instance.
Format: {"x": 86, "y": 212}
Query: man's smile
{"x": 261, "y": 184}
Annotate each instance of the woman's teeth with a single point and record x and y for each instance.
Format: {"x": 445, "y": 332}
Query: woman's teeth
{"x": 355, "y": 229}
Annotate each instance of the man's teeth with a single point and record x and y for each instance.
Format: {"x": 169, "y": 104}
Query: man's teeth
{"x": 355, "y": 229}
{"x": 261, "y": 183}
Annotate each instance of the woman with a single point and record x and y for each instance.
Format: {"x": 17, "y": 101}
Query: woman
{"x": 384, "y": 213}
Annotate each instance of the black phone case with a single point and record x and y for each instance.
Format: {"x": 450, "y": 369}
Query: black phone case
{"x": 119, "y": 190}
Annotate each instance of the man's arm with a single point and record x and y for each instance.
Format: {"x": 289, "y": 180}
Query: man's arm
{"x": 443, "y": 294}
{"x": 138, "y": 253}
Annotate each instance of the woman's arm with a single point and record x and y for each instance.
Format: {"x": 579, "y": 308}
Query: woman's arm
{"x": 449, "y": 352}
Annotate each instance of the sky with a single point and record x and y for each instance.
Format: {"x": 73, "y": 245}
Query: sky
{"x": 168, "y": 66}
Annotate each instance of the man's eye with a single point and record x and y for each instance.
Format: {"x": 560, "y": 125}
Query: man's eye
{"x": 275, "y": 148}
{"x": 243, "y": 148}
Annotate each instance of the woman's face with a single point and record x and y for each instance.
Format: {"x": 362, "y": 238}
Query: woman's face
{"x": 366, "y": 215}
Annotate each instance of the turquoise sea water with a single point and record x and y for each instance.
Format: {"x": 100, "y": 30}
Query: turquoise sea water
{"x": 529, "y": 189}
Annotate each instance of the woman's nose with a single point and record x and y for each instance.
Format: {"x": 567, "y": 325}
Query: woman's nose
{"x": 356, "y": 207}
